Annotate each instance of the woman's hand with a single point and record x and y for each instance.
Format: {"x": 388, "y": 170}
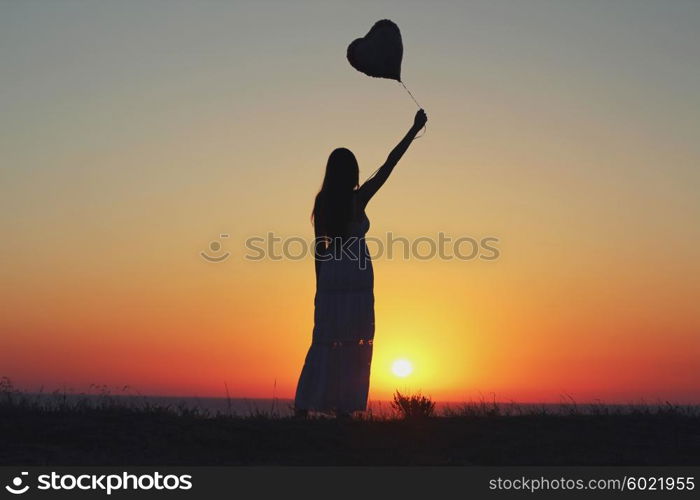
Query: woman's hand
{"x": 420, "y": 120}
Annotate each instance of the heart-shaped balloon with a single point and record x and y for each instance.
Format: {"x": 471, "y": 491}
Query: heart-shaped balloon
{"x": 379, "y": 52}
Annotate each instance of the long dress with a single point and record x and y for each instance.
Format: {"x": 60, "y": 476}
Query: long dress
{"x": 335, "y": 376}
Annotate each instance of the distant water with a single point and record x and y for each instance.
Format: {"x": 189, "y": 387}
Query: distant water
{"x": 283, "y": 407}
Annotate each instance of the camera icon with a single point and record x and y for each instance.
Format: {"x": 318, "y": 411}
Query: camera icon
{"x": 16, "y": 487}
{"x": 215, "y": 248}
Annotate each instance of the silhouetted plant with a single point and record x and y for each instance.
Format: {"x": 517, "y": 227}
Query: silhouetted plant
{"x": 7, "y": 390}
{"x": 413, "y": 406}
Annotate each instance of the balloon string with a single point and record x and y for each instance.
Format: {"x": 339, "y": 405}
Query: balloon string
{"x": 425, "y": 127}
{"x": 409, "y": 93}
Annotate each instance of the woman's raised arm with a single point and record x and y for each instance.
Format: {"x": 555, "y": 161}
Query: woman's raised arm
{"x": 372, "y": 185}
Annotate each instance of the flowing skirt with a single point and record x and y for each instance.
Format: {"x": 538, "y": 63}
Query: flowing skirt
{"x": 335, "y": 377}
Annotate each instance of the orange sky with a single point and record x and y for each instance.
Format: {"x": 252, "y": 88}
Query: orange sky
{"x": 132, "y": 136}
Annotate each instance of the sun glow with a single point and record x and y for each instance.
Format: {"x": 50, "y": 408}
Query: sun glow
{"x": 402, "y": 368}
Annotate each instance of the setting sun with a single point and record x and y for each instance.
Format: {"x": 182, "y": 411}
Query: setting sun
{"x": 402, "y": 368}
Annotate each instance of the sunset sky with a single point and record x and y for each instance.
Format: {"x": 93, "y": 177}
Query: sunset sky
{"x": 132, "y": 134}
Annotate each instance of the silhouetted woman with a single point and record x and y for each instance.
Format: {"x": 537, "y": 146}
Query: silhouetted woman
{"x": 335, "y": 377}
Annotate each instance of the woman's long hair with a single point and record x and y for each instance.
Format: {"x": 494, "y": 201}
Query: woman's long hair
{"x": 334, "y": 208}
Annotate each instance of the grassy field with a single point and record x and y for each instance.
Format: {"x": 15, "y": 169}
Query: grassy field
{"x": 107, "y": 432}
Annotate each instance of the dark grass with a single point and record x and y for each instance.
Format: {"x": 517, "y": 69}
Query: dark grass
{"x": 105, "y": 431}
